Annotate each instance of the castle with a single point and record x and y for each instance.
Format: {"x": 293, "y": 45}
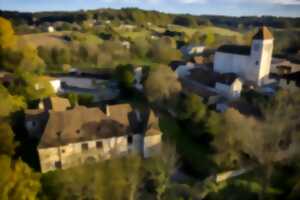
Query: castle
{"x": 251, "y": 63}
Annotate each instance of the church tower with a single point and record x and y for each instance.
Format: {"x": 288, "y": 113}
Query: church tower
{"x": 261, "y": 55}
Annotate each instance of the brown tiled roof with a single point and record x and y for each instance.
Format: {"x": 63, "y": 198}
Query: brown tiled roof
{"x": 119, "y": 113}
{"x": 82, "y": 124}
{"x": 263, "y": 34}
{"x": 56, "y": 104}
{"x": 67, "y": 126}
{"x": 235, "y": 49}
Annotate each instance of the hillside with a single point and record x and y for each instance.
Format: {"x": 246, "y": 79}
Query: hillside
{"x": 58, "y": 39}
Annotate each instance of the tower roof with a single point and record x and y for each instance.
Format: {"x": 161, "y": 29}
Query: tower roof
{"x": 263, "y": 34}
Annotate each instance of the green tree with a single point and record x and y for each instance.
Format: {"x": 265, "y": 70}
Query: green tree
{"x": 271, "y": 140}
{"x": 161, "y": 169}
{"x": 163, "y": 52}
{"x": 193, "y": 108}
{"x": 9, "y": 103}
{"x": 161, "y": 84}
{"x": 17, "y": 180}
{"x": 7, "y": 143}
{"x": 125, "y": 75}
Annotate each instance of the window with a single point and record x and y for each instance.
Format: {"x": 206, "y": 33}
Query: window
{"x": 129, "y": 139}
{"x": 77, "y": 131}
{"x": 99, "y": 145}
{"x": 257, "y": 62}
{"x": 57, "y": 165}
{"x": 84, "y": 147}
{"x": 63, "y": 151}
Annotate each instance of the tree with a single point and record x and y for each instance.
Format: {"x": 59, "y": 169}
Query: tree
{"x": 162, "y": 167}
{"x": 33, "y": 87}
{"x": 16, "y": 53}
{"x": 7, "y": 143}
{"x": 193, "y": 108}
{"x": 140, "y": 47}
{"x": 9, "y": 103}
{"x": 116, "y": 179}
{"x": 161, "y": 84}
{"x": 7, "y": 34}
{"x": 162, "y": 51}
{"x": 17, "y": 180}
{"x": 125, "y": 75}
{"x": 269, "y": 140}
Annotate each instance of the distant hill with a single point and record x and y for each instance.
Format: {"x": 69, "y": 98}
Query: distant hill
{"x": 138, "y": 16}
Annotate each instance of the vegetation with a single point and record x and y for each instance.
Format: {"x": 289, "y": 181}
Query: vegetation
{"x": 206, "y": 142}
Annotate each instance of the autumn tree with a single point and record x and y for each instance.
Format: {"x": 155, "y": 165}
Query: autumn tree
{"x": 161, "y": 84}
{"x": 16, "y": 53}
{"x": 162, "y": 51}
{"x": 9, "y": 103}
{"x": 17, "y": 180}
{"x": 271, "y": 139}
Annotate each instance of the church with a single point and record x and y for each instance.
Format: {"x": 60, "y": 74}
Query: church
{"x": 251, "y": 63}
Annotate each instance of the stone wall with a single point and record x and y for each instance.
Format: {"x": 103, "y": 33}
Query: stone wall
{"x": 73, "y": 154}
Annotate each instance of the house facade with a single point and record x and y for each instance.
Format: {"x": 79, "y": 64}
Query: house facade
{"x": 251, "y": 63}
{"x": 87, "y": 135}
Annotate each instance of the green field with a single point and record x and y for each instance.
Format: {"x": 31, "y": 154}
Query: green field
{"x": 57, "y": 39}
{"x": 205, "y": 30}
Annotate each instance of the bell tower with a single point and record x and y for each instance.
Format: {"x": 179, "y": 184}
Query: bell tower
{"x": 261, "y": 55}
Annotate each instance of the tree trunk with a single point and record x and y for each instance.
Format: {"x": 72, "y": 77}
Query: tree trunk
{"x": 267, "y": 173}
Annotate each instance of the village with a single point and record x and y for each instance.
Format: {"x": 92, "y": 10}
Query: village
{"x": 169, "y": 111}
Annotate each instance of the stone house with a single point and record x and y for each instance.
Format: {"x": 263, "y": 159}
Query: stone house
{"x": 36, "y": 119}
{"x": 86, "y": 135}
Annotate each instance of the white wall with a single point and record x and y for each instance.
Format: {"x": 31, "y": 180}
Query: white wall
{"x": 232, "y": 63}
{"x": 56, "y": 85}
{"x": 266, "y": 59}
{"x": 254, "y": 68}
{"x": 72, "y": 154}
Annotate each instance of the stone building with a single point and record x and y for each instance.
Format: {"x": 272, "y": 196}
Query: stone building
{"x": 86, "y": 135}
{"x": 251, "y": 63}
{"x": 36, "y": 119}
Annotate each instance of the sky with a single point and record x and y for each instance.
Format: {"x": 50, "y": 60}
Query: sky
{"x": 197, "y": 7}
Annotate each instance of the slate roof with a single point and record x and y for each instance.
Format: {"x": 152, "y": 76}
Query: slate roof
{"x": 235, "y": 49}
{"x": 263, "y": 34}
{"x": 210, "y": 78}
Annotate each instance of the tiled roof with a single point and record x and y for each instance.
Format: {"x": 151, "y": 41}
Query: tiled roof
{"x": 56, "y": 103}
{"x": 83, "y": 124}
{"x": 235, "y": 49}
{"x": 67, "y": 126}
{"x": 119, "y": 113}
